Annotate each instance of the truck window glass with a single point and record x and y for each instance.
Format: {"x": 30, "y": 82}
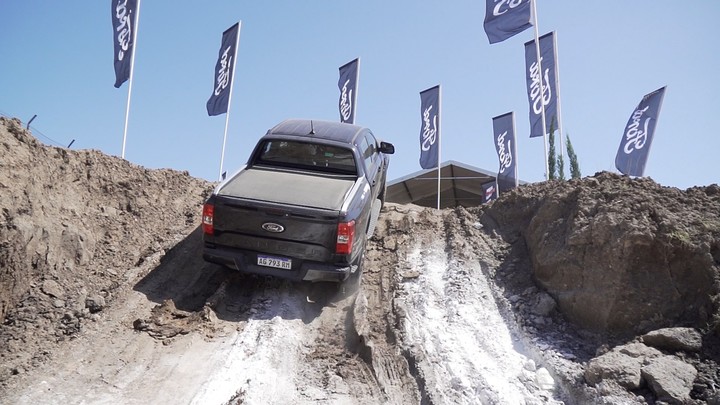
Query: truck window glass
{"x": 308, "y": 156}
{"x": 369, "y": 153}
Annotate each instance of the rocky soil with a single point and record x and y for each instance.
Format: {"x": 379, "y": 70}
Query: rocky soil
{"x": 635, "y": 268}
{"x": 599, "y": 290}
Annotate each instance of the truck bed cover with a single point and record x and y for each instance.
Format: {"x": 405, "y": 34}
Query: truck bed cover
{"x": 317, "y": 191}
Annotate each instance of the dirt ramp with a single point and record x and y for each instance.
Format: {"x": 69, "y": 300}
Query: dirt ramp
{"x": 75, "y": 227}
{"x": 431, "y": 318}
{"x": 106, "y": 298}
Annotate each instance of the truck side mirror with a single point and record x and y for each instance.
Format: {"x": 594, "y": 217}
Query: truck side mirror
{"x": 387, "y": 147}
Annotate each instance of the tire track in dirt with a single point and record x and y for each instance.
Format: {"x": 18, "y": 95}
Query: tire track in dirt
{"x": 262, "y": 341}
{"x": 229, "y": 338}
{"x": 292, "y": 344}
{"x": 445, "y": 318}
{"x": 374, "y": 319}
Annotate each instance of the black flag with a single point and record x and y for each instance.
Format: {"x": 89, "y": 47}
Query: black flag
{"x": 220, "y": 98}
{"x": 547, "y": 79}
{"x": 124, "y": 21}
{"x": 635, "y": 144}
{"x": 504, "y": 19}
{"x": 430, "y": 127}
{"x": 504, "y": 136}
{"x": 348, "y": 90}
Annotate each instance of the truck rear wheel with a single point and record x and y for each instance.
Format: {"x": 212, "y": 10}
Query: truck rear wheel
{"x": 358, "y": 264}
{"x": 374, "y": 215}
{"x": 382, "y": 195}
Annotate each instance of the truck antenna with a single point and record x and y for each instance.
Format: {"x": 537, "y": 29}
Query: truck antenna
{"x": 312, "y": 128}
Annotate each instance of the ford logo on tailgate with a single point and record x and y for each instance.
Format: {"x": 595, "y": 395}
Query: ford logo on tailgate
{"x": 273, "y": 227}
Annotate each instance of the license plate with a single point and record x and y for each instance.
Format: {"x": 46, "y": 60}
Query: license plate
{"x": 277, "y": 262}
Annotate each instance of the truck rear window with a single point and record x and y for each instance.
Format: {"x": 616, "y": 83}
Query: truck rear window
{"x": 308, "y": 156}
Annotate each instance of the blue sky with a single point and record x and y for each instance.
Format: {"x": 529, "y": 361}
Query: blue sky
{"x": 57, "y": 63}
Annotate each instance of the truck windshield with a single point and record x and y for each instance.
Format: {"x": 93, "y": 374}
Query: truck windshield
{"x": 309, "y": 156}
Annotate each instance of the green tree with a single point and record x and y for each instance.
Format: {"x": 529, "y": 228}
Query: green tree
{"x": 552, "y": 175}
{"x": 574, "y": 166}
{"x": 551, "y": 157}
{"x": 561, "y": 167}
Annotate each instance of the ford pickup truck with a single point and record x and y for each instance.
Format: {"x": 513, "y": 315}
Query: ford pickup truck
{"x": 304, "y": 205}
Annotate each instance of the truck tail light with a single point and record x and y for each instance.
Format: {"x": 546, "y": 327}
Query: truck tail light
{"x": 207, "y": 219}
{"x": 345, "y": 235}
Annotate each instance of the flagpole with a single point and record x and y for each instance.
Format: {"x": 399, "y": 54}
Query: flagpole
{"x": 132, "y": 69}
{"x": 439, "y": 135}
{"x": 514, "y": 152}
{"x": 542, "y": 91}
{"x": 557, "y": 90}
{"x": 227, "y": 114}
{"x": 357, "y": 86}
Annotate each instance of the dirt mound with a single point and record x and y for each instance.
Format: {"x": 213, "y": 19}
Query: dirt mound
{"x": 621, "y": 256}
{"x": 600, "y": 290}
{"x": 72, "y": 223}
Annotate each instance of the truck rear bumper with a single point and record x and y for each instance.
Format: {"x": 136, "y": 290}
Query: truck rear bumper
{"x": 306, "y": 271}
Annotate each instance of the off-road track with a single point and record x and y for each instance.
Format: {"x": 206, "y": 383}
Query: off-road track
{"x": 533, "y": 299}
{"x": 422, "y": 327}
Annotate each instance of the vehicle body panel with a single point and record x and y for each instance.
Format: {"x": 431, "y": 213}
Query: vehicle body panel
{"x": 283, "y": 209}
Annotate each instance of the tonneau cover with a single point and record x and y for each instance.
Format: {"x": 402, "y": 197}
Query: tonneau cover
{"x": 282, "y": 187}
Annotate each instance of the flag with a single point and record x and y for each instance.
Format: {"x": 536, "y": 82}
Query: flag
{"x": 430, "y": 127}
{"x": 220, "y": 98}
{"x": 504, "y": 136}
{"x": 348, "y": 90}
{"x": 506, "y": 18}
{"x": 123, "y": 20}
{"x": 548, "y": 79}
{"x": 489, "y": 192}
{"x": 635, "y": 144}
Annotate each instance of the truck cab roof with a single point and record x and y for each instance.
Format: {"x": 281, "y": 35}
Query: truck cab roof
{"x": 333, "y": 131}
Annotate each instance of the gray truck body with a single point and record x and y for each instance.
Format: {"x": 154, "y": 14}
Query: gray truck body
{"x": 284, "y": 213}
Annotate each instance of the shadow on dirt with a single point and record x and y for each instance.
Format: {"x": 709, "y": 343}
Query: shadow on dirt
{"x": 193, "y": 284}
{"x": 551, "y": 329}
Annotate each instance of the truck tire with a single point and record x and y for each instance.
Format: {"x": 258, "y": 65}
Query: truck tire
{"x": 374, "y": 215}
{"x": 358, "y": 264}
{"x": 382, "y": 195}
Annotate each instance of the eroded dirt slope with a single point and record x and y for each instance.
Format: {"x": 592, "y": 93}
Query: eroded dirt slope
{"x": 621, "y": 256}
{"x": 73, "y": 224}
{"x": 105, "y": 297}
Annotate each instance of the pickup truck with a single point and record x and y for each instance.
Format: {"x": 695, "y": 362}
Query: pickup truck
{"x": 304, "y": 205}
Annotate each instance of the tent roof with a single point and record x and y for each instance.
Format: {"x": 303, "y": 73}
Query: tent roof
{"x": 460, "y": 184}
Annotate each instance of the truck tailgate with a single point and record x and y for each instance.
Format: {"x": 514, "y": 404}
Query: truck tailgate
{"x": 282, "y": 187}
{"x": 292, "y": 231}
